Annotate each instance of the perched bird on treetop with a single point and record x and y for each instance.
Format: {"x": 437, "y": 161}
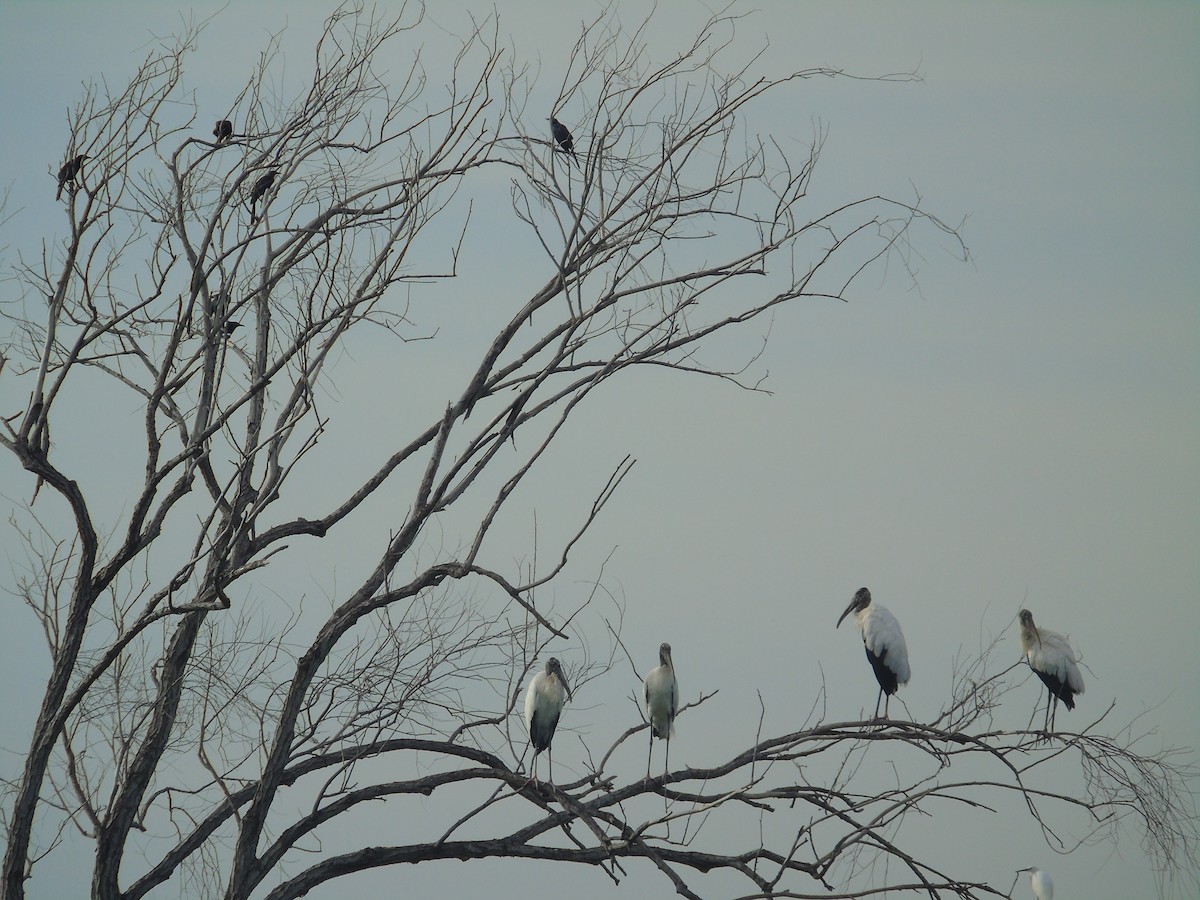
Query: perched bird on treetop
{"x": 1040, "y": 883}
{"x": 69, "y": 172}
{"x": 262, "y": 186}
{"x": 223, "y": 130}
{"x": 1053, "y": 661}
{"x": 662, "y": 703}
{"x": 884, "y": 642}
{"x": 260, "y": 189}
{"x": 548, "y": 693}
{"x": 562, "y": 137}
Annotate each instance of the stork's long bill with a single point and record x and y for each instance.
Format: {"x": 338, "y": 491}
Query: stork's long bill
{"x": 554, "y": 668}
{"x": 1032, "y": 632}
{"x": 862, "y": 599}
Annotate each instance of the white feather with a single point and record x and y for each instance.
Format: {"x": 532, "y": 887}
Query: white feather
{"x": 1039, "y": 881}
{"x": 882, "y": 635}
{"x": 545, "y": 698}
{"x": 662, "y": 699}
{"x": 1051, "y": 652}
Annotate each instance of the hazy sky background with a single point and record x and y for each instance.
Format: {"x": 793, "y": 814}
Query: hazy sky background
{"x": 1023, "y": 430}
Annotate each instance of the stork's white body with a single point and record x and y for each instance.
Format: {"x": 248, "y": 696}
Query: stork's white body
{"x": 1050, "y": 652}
{"x": 1039, "y": 881}
{"x": 544, "y": 702}
{"x": 881, "y": 635}
{"x": 547, "y": 695}
{"x": 662, "y": 702}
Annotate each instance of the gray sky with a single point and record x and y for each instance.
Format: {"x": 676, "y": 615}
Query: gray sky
{"x": 1021, "y": 430}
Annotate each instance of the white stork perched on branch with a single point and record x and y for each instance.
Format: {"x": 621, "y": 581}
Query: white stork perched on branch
{"x": 1052, "y": 660}
{"x": 548, "y": 693}
{"x": 1039, "y": 881}
{"x": 884, "y": 643}
{"x": 662, "y": 702}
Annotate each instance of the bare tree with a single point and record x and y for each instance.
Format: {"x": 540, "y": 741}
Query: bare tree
{"x": 200, "y": 723}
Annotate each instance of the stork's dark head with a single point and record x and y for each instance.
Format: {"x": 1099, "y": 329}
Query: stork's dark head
{"x": 862, "y": 599}
{"x": 1027, "y": 626}
{"x": 553, "y": 667}
{"x": 664, "y": 655}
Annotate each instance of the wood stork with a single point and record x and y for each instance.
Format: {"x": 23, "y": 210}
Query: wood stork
{"x": 662, "y": 702}
{"x": 1043, "y": 887}
{"x": 223, "y": 130}
{"x": 1052, "y": 659}
{"x": 562, "y": 137}
{"x": 548, "y": 693}
{"x": 884, "y": 643}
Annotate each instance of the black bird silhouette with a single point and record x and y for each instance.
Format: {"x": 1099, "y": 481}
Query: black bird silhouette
{"x": 230, "y": 326}
{"x": 562, "y": 137}
{"x": 69, "y": 172}
{"x": 260, "y": 189}
{"x": 223, "y": 130}
{"x": 262, "y": 186}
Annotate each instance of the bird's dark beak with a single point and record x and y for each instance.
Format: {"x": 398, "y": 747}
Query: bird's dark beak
{"x": 846, "y": 612}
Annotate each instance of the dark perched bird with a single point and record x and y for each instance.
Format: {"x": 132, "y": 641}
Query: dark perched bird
{"x": 548, "y": 693}
{"x": 662, "y": 702}
{"x": 260, "y": 189}
{"x": 69, "y": 172}
{"x": 562, "y": 137}
{"x": 230, "y": 326}
{"x": 884, "y": 642}
{"x": 223, "y": 130}
{"x": 262, "y": 186}
{"x": 1052, "y": 660}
